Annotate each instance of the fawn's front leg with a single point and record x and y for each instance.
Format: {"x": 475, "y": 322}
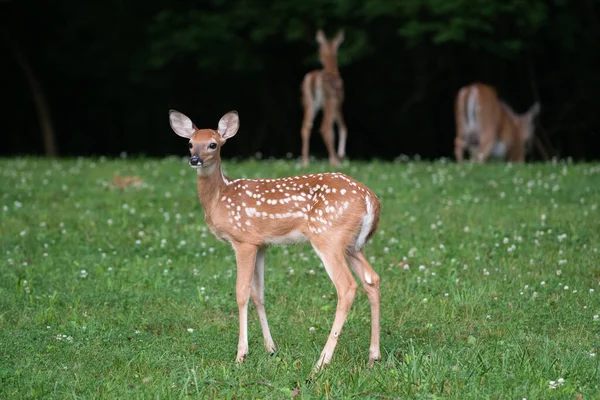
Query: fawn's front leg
{"x": 245, "y": 255}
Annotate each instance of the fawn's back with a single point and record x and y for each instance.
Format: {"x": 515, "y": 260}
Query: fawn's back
{"x": 295, "y": 209}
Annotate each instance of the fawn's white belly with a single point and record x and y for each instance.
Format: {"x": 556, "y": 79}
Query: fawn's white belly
{"x": 293, "y": 237}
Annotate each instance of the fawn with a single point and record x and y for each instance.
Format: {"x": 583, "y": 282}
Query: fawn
{"x": 324, "y": 89}
{"x": 486, "y": 126}
{"x": 332, "y": 211}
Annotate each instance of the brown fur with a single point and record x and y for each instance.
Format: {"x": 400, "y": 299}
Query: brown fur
{"x": 494, "y": 122}
{"x": 324, "y": 89}
{"x": 332, "y": 211}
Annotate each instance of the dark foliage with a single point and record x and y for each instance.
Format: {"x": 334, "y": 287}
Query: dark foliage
{"x": 111, "y": 70}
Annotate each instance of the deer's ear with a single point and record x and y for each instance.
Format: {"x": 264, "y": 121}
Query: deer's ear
{"x": 181, "y": 125}
{"x": 339, "y": 38}
{"x": 534, "y": 110}
{"x": 321, "y": 36}
{"x": 229, "y": 124}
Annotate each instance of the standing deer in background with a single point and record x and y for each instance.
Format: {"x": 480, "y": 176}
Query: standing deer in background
{"x": 324, "y": 89}
{"x": 486, "y": 126}
{"x": 332, "y": 211}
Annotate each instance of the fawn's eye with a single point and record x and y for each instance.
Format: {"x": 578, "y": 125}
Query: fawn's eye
{"x": 212, "y": 146}
{"x": 190, "y": 145}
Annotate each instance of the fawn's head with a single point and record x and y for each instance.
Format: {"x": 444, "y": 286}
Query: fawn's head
{"x": 526, "y": 124}
{"x": 204, "y": 144}
{"x": 328, "y": 49}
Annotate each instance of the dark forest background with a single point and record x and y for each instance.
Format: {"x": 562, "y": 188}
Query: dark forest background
{"x": 100, "y": 76}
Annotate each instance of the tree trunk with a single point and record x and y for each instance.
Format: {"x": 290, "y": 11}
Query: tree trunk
{"x": 39, "y": 99}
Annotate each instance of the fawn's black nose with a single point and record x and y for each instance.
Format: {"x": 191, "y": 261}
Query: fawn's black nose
{"x": 195, "y": 160}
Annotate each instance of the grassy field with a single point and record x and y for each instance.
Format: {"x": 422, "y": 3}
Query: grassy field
{"x": 490, "y": 286}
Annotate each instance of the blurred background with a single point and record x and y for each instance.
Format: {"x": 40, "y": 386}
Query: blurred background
{"x": 85, "y": 78}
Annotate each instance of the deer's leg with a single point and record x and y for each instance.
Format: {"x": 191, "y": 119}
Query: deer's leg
{"x": 370, "y": 282}
{"x": 245, "y": 255}
{"x": 327, "y": 131}
{"x": 333, "y": 258}
{"x": 459, "y": 120}
{"x": 459, "y": 148}
{"x": 257, "y": 295}
{"x": 310, "y": 109}
{"x": 343, "y": 132}
{"x": 486, "y": 145}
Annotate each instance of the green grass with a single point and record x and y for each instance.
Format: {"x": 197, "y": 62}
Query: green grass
{"x": 495, "y": 300}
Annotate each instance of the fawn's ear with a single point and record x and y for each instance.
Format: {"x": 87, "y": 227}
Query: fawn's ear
{"x": 321, "y": 36}
{"x": 534, "y": 110}
{"x": 339, "y": 38}
{"x": 229, "y": 124}
{"x": 181, "y": 125}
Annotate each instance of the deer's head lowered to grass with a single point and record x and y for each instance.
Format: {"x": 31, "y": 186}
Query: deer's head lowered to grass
{"x": 332, "y": 211}
{"x": 489, "y": 128}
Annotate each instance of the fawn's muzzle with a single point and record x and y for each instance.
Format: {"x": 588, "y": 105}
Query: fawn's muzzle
{"x": 195, "y": 160}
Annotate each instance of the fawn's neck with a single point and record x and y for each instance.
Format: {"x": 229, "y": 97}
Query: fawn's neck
{"x": 330, "y": 64}
{"x": 210, "y": 185}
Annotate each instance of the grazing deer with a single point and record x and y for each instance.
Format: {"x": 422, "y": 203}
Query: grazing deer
{"x": 323, "y": 89}
{"x": 486, "y": 126}
{"x": 332, "y": 211}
